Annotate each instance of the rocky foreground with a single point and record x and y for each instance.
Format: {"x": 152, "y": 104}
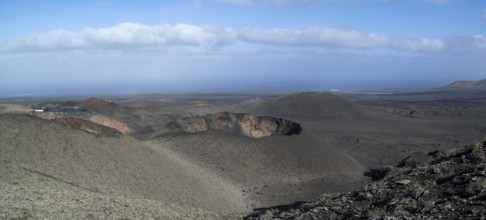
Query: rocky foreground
{"x": 448, "y": 184}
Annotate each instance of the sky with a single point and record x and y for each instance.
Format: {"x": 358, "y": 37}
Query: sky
{"x": 200, "y": 46}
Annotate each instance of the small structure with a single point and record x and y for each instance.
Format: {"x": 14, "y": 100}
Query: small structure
{"x": 38, "y": 110}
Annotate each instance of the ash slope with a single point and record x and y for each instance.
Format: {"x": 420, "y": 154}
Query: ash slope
{"x": 41, "y": 159}
{"x": 270, "y": 170}
{"x": 447, "y": 184}
{"x": 46, "y": 164}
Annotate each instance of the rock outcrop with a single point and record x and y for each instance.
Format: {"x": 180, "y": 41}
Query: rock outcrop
{"x": 110, "y": 122}
{"x": 191, "y": 124}
{"x": 88, "y": 126}
{"x": 88, "y": 112}
{"x": 238, "y": 123}
{"x": 441, "y": 185}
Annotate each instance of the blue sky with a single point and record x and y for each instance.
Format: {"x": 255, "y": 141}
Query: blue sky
{"x": 88, "y": 47}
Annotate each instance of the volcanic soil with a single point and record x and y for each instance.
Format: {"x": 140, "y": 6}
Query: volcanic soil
{"x": 213, "y": 156}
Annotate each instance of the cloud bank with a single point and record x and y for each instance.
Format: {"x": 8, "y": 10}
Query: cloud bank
{"x": 134, "y": 36}
{"x": 123, "y": 36}
{"x": 320, "y": 37}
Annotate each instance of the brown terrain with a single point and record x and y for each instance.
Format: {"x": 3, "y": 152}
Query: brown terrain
{"x": 223, "y": 156}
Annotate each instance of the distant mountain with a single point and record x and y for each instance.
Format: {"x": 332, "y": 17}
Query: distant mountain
{"x": 464, "y": 85}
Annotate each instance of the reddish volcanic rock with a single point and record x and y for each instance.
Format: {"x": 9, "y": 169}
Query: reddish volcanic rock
{"x": 88, "y": 126}
{"x": 238, "y": 123}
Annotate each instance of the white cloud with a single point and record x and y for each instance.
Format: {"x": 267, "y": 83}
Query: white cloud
{"x": 322, "y": 37}
{"x": 137, "y": 34}
{"x": 479, "y": 41}
{"x": 473, "y": 42}
{"x": 193, "y": 39}
{"x": 55, "y": 40}
{"x": 122, "y": 36}
{"x": 418, "y": 45}
{"x": 329, "y": 38}
{"x": 338, "y": 38}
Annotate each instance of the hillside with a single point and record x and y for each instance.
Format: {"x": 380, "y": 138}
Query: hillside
{"x": 45, "y": 160}
{"x": 464, "y": 85}
{"x": 270, "y": 170}
{"x": 447, "y": 184}
{"x": 100, "y": 106}
{"x": 310, "y": 105}
{"x": 213, "y": 172}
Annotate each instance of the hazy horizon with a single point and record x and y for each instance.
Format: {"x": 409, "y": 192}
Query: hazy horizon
{"x": 197, "y": 46}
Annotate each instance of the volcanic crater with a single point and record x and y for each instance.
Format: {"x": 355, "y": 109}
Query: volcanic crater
{"x": 238, "y": 123}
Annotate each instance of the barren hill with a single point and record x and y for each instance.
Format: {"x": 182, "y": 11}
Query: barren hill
{"x": 100, "y": 106}
{"x": 212, "y": 173}
{"x": 311, "y": 105}
{"x": 464, "y": 85}
{"x": 195, "y": 159}
{"x": 42, "y": 159}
